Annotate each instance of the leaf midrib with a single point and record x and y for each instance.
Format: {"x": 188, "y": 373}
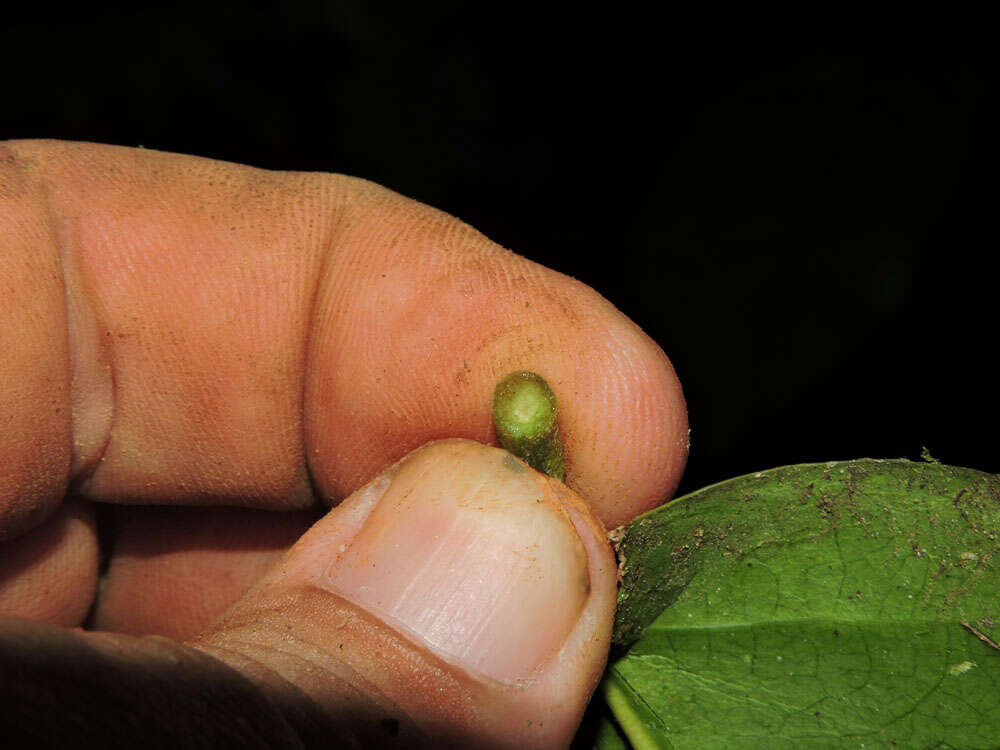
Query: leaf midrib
{"x": 799, "y": 621}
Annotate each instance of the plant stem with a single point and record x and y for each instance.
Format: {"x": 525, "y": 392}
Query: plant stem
{"x": 524, "y": 415}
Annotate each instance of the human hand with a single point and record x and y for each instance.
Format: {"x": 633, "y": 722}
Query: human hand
{"x": 179, "y": 332}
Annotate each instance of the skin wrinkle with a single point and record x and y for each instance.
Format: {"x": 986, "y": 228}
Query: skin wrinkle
{"x": 60, "y": 248}
{"x": 81, "y": 467}
{"x": 258, "y": 632}
{"x": 330, "y": 237}
{"x": 64, "y": 241}
{"x": 339, "y": 305}
{"x": 371, "y": 641}
{"x": 288, "y": 665}
{"x": 38, "y": 474}
{"x": 310, "y": 721}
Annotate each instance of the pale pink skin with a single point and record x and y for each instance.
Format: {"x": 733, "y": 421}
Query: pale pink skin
{"x": 179, "y": 331}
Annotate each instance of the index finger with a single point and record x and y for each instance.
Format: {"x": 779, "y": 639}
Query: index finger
{"x": 195, "y": 332}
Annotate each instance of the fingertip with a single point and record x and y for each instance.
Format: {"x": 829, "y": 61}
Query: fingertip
{"x": 420, "y": 316}
{"x": 624, "y": 420}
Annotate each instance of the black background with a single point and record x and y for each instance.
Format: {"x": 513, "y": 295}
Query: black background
{"x": 800, "y": 210}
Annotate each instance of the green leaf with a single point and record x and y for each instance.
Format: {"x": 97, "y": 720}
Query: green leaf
{"x": 599, "y": 729}
{"x": 852, "y": 604}
{"x": 609, "y": 736}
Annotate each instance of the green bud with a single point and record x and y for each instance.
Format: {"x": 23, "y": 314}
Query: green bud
{"x": 524, "y": 415}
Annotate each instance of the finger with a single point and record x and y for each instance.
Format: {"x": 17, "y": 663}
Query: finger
{"x": 75, "y": 688}
{"x": 240, "y": 337}
{"x": 35, "y": 448}
{"x": 174, "y": 570}
{"x": 460, "y": 596}
{"x": 418, "y": 318}
{"x": 50, "y": 573}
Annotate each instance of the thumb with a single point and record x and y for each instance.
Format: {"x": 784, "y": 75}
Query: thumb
{"x": 458, "y": 598}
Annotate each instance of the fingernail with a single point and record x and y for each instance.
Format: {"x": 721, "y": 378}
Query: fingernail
{"x": 470, "y": 553}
